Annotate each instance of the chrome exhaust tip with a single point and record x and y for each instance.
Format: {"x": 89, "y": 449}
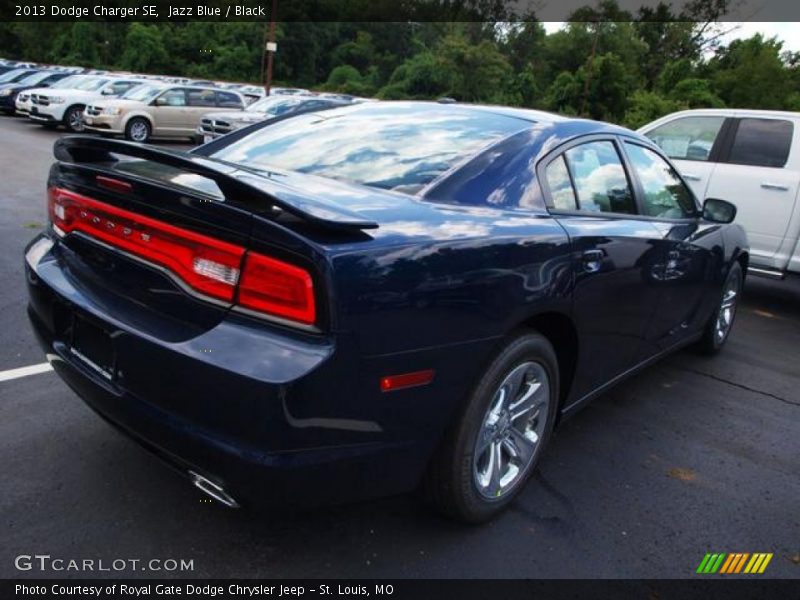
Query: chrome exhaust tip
{"x": 212, "y": 489}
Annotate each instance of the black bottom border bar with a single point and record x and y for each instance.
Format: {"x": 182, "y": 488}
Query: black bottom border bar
{"x": 732, "y": 588}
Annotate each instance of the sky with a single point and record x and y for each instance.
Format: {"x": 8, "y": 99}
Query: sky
{"x": 782, "y": 30}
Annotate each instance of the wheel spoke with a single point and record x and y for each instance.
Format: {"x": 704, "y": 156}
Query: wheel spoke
{"x": 528, "y": 401}
{"x": 524, "y": 443}
{"x": 494, "y": 470}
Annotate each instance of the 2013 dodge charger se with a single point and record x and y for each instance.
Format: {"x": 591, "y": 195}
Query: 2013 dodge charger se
{"x": 352, "y": 303}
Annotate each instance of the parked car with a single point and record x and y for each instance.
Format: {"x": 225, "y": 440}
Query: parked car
{"x": 16, "y": 74}
{"x": 158, "y": 111}
{"x": 39, "y": 79}
{"x": 65, "y": 107}
{"x": 213, "y": 125}
{"x": 24, "y": 100}
{"x": 345, "y": 304}
{"x": 752, "y": 158}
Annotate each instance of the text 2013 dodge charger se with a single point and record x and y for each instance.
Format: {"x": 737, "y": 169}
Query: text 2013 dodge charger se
{"x": 351, "y": 303}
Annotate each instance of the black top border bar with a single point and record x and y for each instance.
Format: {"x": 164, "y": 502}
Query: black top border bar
{"x": 393, "y": 10}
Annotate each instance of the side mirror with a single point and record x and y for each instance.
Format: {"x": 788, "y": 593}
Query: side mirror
{"x": 160, "y": 101}
{"x": 719, "y": 211}
{"x": 107, "y": 92}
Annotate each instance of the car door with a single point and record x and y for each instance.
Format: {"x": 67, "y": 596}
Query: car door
{"x": 690, "y": 251}
{"x": 590, "y": 194}
{"x": 199, "y": 102}
{"x": 168, "y": 111}
{"x": 755, "y": 173}
{"x": 693, "y": 144}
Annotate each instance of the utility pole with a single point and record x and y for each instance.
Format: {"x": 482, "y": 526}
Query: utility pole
{"x": 270, "y": 47}
{"x": 589, "y": 70}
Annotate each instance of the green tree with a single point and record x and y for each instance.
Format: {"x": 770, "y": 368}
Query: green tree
{"x": 145, "y": 50}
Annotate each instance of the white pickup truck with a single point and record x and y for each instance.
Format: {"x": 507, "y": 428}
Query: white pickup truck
{"x": 750, "y": 158}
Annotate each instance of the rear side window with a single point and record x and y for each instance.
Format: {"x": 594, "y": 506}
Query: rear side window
{"x": 761, "y": 143}
{"x": 600, "y": 181}
{"x": 687, "y": 138}
{"x": 558, "y": 181}
{"x": 228, "y": 100}
{"x": 665, "y": 195}
{"x": 201, "y": 98}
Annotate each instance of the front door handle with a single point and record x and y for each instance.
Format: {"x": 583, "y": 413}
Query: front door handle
{"x": 592, "y": 260}
{"x": 692, "y": 177}
{"x": 778, "y": 187}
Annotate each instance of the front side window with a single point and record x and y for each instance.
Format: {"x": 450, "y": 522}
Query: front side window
{"x": 688, "y": 138}
{"x": 172, "y": 98}
{"x": 762, "y": 143}
{"x": 665, "y": 195}
{"x": 600, "y": 181}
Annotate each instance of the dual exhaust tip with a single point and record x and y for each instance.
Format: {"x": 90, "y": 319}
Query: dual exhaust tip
{"x": 214, "y": 490}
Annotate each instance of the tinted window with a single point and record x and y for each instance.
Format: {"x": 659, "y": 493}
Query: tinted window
{"x": 762, "y": 143}
{"x": 393, "y": 145}
{"x": 665, "y": 195}
{"x": 172, "y": 98}
{"x": 689, "y": 138}
{"x": 228, "y": 100}
{"x": 201, "y": 97}
{"x": 561, "y": 192}
{"x": 600, "y": 181}
{"x": 120, "y": 87}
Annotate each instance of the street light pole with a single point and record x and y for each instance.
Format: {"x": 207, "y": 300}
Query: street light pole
{"x": 270, "y": 47}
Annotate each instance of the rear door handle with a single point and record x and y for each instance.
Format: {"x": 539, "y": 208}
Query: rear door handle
{"x": 692, "y": 177}
{"x": 779, "y": 187}
{"x": 592, "y": 260}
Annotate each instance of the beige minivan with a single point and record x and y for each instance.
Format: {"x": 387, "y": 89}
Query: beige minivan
{"x": 158, "y": 110}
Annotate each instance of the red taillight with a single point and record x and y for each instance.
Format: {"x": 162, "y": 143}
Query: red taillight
{"x": 207, "y": 265}
{"x": 278, "y": 288}
{"x": 406, "y": 380}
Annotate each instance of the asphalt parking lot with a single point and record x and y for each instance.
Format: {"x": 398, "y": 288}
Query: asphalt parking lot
{"x": 693, "y": 455}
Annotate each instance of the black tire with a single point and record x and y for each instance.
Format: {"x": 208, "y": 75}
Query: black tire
{"x": 134, "y": 126}
{"x": 73, "y": 119}
{"x": 451, "y": 480}
{"x": 712, "y": 341}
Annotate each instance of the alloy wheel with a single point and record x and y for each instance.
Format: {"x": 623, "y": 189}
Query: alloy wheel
{"x": 511, "y": 431}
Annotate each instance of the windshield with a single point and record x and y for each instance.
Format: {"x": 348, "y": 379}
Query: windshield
{"x": 10, "y": 75}
{"x": 35, "y": 77}
{"x": 387, "y": 145}
{"x": 91, "y": 84}
{"x": 272, "y": 106}
{"x": 67, "y": 82}
{"x": 143, "y": 93}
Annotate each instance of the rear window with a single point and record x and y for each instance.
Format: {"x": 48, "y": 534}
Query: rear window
{"x": 400, "y": 147}
{"x": 761, "y": 143}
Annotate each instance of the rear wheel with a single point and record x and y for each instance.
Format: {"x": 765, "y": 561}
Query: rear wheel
{"x": 137, "y": 130}
{"x": 73, "y": 119}
{"x": 491, "y": 452}
{"x": 721, "y": 322}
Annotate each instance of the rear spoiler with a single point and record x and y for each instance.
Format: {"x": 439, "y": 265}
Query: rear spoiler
{"x": 232, "y": 181}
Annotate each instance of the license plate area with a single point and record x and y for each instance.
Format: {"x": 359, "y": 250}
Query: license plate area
{"x": 92, "y": 346}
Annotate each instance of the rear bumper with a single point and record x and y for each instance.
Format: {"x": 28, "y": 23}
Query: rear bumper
{"x": 259, "y": 419}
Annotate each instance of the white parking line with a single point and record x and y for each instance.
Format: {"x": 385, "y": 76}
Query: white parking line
{"x": 25, "y": 371}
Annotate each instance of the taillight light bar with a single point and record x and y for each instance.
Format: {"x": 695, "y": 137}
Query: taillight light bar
{"x": 207, "y": 265}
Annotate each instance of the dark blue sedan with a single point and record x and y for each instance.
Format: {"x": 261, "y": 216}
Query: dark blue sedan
{"x": 357, "y": 302}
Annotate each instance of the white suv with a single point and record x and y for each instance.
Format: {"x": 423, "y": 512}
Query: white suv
{"x": 750, "y": 158}
{"x": 65, "y": 106}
